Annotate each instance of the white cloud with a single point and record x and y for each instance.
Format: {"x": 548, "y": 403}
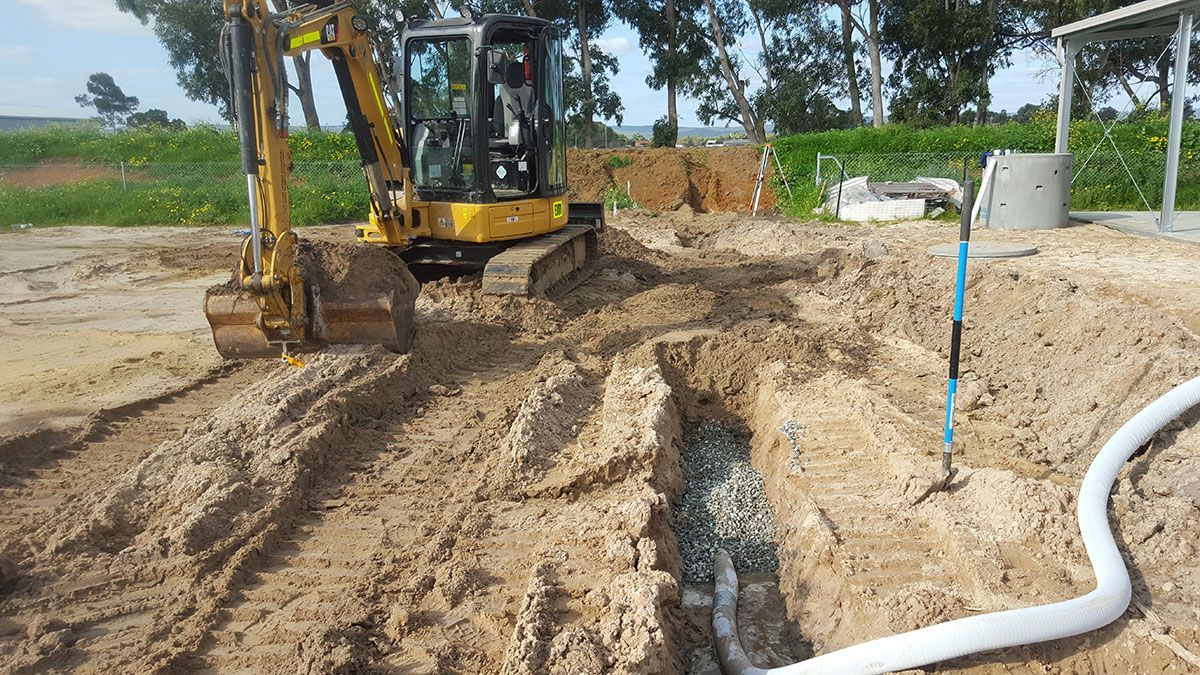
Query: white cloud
{"x": 16, "y": 53}
{"x": 99, "y": 16}
{"x": 615, "y": 45}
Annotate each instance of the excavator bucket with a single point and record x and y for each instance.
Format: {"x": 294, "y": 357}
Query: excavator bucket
{"x": 233, "y": 317}
{"x": 354, "y": 295}
{"x": 379, "y": 319}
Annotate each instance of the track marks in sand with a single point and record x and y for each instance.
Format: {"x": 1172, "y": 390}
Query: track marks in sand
{"x": 390, "y": 499}
{"x": 44, "y": 474}
{"x": 46, "y": 481}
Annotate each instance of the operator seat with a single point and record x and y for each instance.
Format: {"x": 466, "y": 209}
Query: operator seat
{"x": 515, "y": 97}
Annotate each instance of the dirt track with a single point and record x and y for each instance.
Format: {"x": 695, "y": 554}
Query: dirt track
{"x": 500, "y": 499}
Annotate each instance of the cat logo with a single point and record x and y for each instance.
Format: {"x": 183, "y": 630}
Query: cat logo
{"x": 557, "y": 209}
{"x": 329, "y": 32}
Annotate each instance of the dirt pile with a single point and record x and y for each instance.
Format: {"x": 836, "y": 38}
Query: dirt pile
{"x": 552, "y": 412}
{"x": 1030, "y": 345}
{"x": 343, "y": 271}
{"x": 669, "y": 179}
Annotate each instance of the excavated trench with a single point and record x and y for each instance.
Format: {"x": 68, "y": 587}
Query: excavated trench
{"x": 725, "y": 507}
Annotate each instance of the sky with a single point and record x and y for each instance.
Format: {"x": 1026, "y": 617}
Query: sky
{"x": 48, "y": 48}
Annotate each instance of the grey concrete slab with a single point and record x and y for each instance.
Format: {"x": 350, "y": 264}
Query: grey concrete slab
{"x": 1186, "y": 226}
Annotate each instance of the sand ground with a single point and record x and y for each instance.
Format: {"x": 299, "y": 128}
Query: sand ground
{"x": 499, "y": 500}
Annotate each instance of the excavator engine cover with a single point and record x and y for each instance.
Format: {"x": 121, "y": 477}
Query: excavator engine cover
{"x": 354, "y": 294}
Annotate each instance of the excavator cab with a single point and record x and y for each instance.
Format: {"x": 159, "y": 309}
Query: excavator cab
{"x": 483, "y": 115}
{"x": 483, "y": 109}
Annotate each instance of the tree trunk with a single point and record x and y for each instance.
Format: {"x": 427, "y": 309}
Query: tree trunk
{"x": 672, "y": 56}
{"x": 876, "y": 65}
{"x": 736, "y": 87}
{"x": 585, "y": 61}
{"x": 529, "y": 8}
{"x": 303, "y": 81}
{"x": 856, "y": 118}
{"x": 304, "y": 92}
{"x": 1163, "y": 81}
{"x": 434, "y": 9}
{"x": 1137, "y": 102}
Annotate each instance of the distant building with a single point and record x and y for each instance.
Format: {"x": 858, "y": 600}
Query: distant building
{"x": 10, "y": 122}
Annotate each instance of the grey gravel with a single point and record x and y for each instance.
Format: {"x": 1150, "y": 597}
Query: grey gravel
{"x": 725, "y": 506}
{"x": 792, "y": 431}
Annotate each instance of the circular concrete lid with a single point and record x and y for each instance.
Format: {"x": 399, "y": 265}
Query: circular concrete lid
{"x": 985, "y": 249}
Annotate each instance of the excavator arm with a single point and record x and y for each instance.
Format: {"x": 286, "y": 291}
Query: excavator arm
{"x": 270, "y": 308}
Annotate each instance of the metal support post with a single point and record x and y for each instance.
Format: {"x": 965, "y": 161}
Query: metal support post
{"x": 1066, "y": 89}
{"x": 1183, "y": 45}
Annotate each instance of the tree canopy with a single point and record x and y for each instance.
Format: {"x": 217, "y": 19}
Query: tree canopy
{"x": 112, "y": 105}
{"x": 755, "y": 64}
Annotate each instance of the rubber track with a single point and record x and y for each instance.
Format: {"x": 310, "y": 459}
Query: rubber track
{"x": 532, "y": 267}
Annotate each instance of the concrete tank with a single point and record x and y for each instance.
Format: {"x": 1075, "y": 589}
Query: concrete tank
{"x": 1029, "y": 192}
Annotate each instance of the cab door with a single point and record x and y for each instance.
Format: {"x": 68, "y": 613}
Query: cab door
{"x": 552, "y": 133}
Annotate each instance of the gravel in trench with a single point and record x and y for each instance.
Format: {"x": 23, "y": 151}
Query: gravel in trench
{"x": 725, "y": 506}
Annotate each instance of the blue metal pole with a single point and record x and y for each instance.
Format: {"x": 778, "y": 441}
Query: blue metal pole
{"x": 964, "y": 239}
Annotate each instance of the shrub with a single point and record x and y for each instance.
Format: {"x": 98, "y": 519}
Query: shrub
{"x": 1103, "y": 184}
{"x": 615, "y": 194}
{"x": 664, "y": 134}
{"x": 619, "y": 161}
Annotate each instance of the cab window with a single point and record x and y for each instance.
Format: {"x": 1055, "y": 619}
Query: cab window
{"x": 440, "y": 111}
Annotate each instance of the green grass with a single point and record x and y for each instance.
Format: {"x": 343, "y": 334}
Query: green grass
{"x": 88, "y": 143}
{"x": 619, "y": 161}
{"x": 191, "y": 177}
{"x": 149, "y": 198}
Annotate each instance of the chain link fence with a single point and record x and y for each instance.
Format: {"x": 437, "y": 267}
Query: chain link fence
{"x": 192, "y": 193}
{"x": 1102, "y": 180}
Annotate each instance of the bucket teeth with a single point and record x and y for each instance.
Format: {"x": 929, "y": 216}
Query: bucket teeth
{"x": 534, "y": 266}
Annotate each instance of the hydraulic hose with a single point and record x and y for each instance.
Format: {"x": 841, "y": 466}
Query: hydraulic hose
{"x": 1016, "y": 627}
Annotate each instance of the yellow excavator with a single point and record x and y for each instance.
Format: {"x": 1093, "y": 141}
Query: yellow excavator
{"x": 463, "y": 145}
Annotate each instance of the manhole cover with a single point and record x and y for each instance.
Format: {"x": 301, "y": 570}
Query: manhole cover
{"x": 985, "y": 249}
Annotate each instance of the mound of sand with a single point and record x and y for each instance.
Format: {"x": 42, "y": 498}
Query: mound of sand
{"x": 667, "y": 179}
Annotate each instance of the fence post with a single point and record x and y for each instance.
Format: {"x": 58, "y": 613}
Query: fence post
{"x": 817, "y": 178}
{"x": 837, "y": 214}
{"x": 124, "y": 184}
